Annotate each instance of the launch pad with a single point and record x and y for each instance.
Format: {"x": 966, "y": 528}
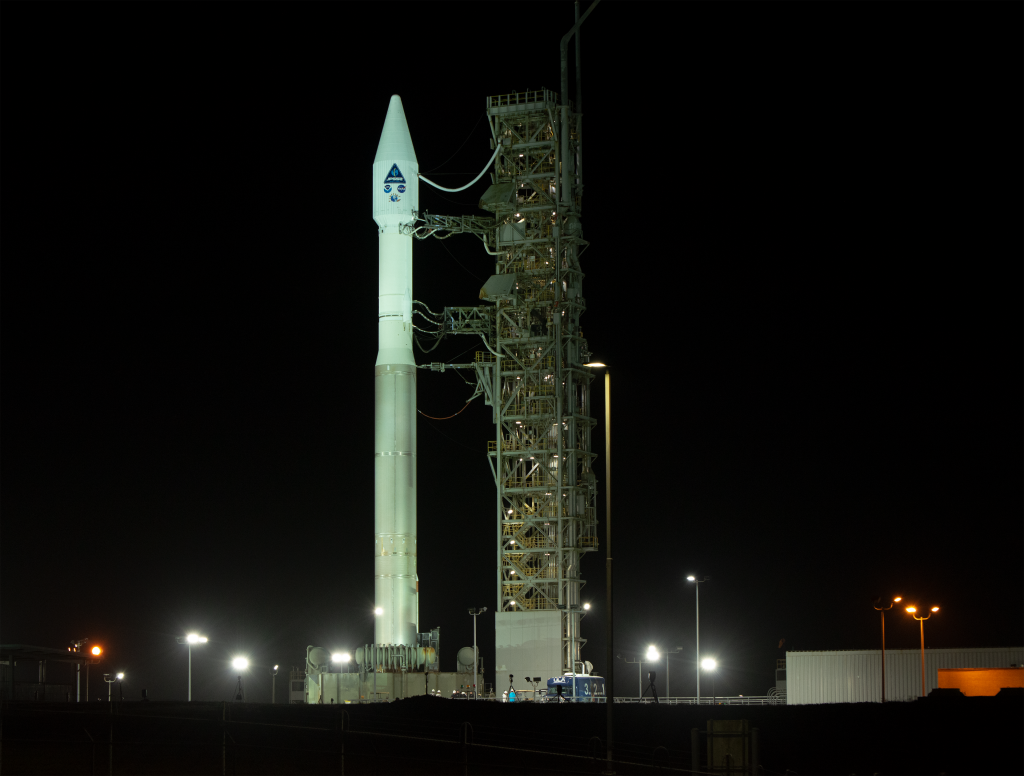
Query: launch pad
{"x": 533, "y": 373}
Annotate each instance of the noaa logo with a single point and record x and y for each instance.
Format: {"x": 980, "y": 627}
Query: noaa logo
{"x": 387, "y": 188}
{"x": 401, "y": 188}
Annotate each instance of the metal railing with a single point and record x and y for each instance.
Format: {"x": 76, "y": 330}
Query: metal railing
{"x": 720, "y": 700}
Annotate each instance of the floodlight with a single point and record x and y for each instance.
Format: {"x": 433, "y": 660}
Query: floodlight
{"x": 378, "y": 611}
{"x": 586, "y": 607}
{"x": 595, "y": 363}
{"x": 97, "y": 651}
{"x": 652, "y": 653}
{"x": 121, "y": 675}
{"x": 240, "y": 663}
{"x": 345, "y": 657}
{"x": 709, "y": 664}
{"x": 691, "y": 578}
{"x": 337, "y": 657}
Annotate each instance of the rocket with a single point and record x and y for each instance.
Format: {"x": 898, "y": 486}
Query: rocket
{"x": 395, "y": 202}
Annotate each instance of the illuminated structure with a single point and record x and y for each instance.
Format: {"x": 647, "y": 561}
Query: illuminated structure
{"x": 533, "y": 377}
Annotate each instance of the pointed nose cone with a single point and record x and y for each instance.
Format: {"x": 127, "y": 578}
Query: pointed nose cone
{"x": 396, "y": 183}
{"x": 395, "y": 140}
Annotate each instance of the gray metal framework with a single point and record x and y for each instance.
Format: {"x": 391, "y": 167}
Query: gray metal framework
{"x": 532, "y": 372}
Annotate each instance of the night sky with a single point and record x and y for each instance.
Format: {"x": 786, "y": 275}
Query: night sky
{"x": 804, "y": 268}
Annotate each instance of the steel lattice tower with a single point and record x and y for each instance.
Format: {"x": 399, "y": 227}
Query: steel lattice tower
{"x": 541, "y": 454}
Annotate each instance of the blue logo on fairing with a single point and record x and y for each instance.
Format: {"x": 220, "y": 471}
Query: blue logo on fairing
{"x": 395, "y": 176}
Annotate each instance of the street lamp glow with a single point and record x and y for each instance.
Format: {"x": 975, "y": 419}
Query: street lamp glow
{"x": 691, "y": 578}
{"x": 911, "y": 609}
{"x": 378, "y": 611}
{"x": 240, "y": 663}
{"x": 121, "y": 675}
{"x": 96, "y": 651}
{"x": 194, "y": 638}
{"x": 935, "y": 608}
{"x": 897, "y": 599}
{"x": 709, "y": 664}
{"x": 595, "y": 363}
{"x": 338, "y": 657}
{"x": 652, "y": 653}
{"x": 586, "y": 607}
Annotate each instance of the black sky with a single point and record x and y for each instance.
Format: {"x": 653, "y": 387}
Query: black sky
{"x": 805, "y": 269}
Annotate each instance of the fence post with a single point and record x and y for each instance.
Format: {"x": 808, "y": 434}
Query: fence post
{"x": 344, "y": 715}
{"x": 755, "y": 751}
{"x": 694, "y": 750}
{"x": 466, "y": 727}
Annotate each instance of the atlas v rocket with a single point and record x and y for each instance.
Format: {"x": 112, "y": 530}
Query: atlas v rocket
{"x": 395, "y": 202}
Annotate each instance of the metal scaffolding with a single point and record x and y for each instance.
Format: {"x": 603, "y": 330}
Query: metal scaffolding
{"x": 532, "y": 373}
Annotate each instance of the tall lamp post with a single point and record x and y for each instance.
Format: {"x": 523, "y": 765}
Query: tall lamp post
{"x": 640, "y": 674}
{"x": 110, "y": 679}
{"x": 652, "y": 656}
{"x": 668, "y": 662}
{"x": 710, "y": 664}
{"x": 883, "y": 610}
{"x": 342, "y": 658}
{"x": 273, "y": 685}
{"x": 912, "y": 610}
{"x": 190, "y": 639}
{"x": 696, "y": 584}
{"x": 609, "y": 681}
{"x": 240, "y": 664}
{"x": 474, "y": 613}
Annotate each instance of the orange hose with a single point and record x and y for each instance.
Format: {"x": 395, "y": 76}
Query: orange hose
{"x": 421, "y": 412}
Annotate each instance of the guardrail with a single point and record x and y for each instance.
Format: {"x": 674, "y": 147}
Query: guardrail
{"x": 720, "y": 700}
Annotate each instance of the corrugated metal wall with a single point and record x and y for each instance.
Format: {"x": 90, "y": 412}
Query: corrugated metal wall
{"x": 855, "y": 676}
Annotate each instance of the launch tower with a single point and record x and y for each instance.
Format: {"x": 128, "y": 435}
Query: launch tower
{"x": 532, "y": 375}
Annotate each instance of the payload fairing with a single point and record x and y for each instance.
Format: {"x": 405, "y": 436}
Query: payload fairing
{"x": 395, "y": 202}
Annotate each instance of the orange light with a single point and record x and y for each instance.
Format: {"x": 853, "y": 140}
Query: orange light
{"x": 935, "y": 608}
{"x": 897, "y": 599}
{"x": 96, "y": 650}
{"x": 911, "y": 609}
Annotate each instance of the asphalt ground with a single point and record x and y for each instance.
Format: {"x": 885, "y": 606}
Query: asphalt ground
{"x": 425, "y": 735}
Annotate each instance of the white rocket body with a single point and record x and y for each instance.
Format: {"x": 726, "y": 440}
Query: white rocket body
{"x": 395, "y": 198}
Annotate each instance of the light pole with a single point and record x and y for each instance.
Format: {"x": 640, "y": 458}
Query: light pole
{"x": 190, "y": 639}
{"x": 883, "y": 610}
{"x": 640, "y": 675}
{"x": 696, "y": 584}
{"x": 240, "y": 664}
{"x": 668, "y": 662}
{"x": 609, "y": 680}
{"x": 273, "y": 685}
{"x": 710, "y": 664}
{"x": 110, "y": 679}
{"x": 474, "y": 613}
{"x": 652, "y": 656}
{"x": 912, "y": 610}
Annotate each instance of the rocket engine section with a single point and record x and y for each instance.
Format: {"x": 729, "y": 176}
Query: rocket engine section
{"x": 395, "y": 201}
